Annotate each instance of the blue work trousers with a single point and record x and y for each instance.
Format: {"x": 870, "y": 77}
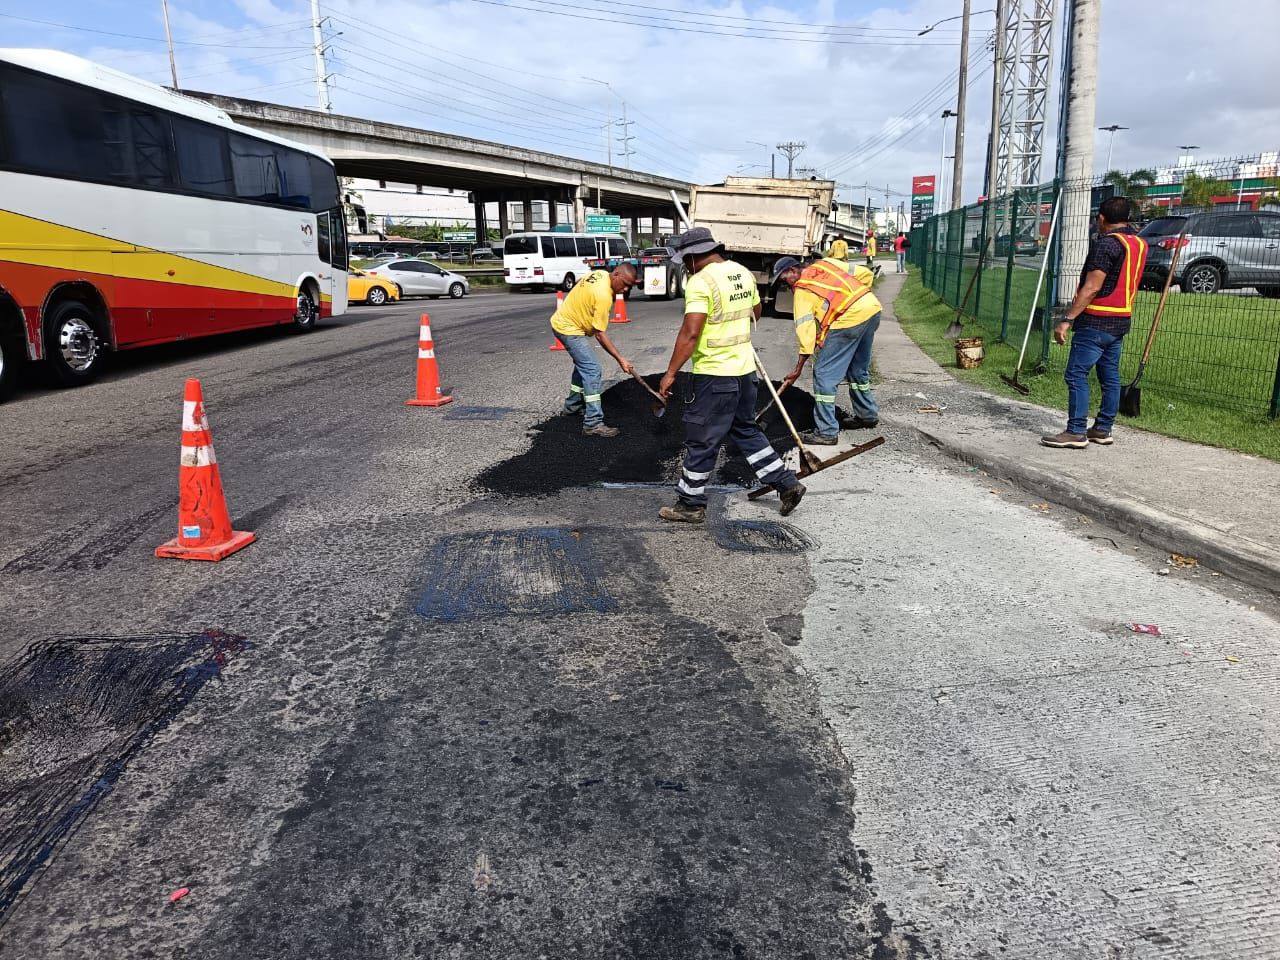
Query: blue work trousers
{"x": 1091, "y": 347}
{"x": 587, "y": 380}
{"x": 845, "y": 355}
{"x": 724, "y": 408}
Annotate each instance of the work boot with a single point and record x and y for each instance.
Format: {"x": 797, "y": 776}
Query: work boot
{"x": 600, "y": 430}
{"x": 791, "y": 498}
{"x": 683, "y": 513}
{"x": 1102, "y": 437}
{"x": 857, "y": 423}
{"x": 814, "y": 438}
{"x": 1065, "y": 439}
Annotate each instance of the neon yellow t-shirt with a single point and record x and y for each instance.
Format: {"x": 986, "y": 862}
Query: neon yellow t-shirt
{"x": 722, "y": 290}
{"x": 588, "y": 307}
{"x": 839, "y": 250}
{"x": 871, "y": 246}
{"x": 810, "y": 310}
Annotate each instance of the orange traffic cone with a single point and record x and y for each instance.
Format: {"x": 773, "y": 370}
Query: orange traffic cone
{"x": 204, "y": 528}
{"x": 428, "y": 393}
{"x": 620, "y": 309}
{"x": 555, "y": 341}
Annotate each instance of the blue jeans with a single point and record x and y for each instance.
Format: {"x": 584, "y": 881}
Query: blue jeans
{"x": 846, "y": 355}
{"x": 902, "y": 261}
{"x": 587, "y": 381}
{"x": 1091, "y": 348}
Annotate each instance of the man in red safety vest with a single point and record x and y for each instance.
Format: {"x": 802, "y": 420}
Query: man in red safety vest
{"x": 1100, "y": 315}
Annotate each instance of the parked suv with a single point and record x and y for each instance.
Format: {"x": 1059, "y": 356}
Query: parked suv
{"x": 1221, "y": 250}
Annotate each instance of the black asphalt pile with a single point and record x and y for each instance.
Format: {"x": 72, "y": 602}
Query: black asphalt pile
{"x": 647, "y": 450}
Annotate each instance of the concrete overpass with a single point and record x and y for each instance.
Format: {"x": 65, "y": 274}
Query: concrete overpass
{"x": 491, "y": 172}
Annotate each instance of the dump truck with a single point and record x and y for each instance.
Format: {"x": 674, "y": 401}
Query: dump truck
{"x": 760, "y": 219}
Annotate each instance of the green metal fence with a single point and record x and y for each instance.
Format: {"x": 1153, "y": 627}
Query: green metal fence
{"x": 1219, "y": 340}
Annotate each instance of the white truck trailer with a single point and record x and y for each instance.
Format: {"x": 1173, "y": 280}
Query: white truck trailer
{"x": 760, "y": 219}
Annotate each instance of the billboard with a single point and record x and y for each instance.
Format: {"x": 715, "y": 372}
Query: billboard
{"x": 922, "y": 192}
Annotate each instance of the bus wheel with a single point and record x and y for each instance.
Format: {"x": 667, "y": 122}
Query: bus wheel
{"x": 304, "y": 317}
{"x": 72, "y": 345}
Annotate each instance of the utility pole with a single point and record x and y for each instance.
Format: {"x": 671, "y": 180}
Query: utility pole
{"x": 168, "y": 35}
{"x": 322, "y": 76}
{"x": 791, "y": 150}
{"x": 1081, "y": 96}
{"x": 957, "y": 165}
{"x": 993, "y": 151}
{"x": 626, "y": 138}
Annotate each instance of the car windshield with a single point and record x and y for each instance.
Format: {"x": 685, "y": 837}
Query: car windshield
{"x": 520, "y": 245}
{"x": 1163, "y": 227}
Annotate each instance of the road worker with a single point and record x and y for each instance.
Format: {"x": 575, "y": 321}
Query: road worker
{"x": 836, "y": 317}
{"x": 582, "y": 317}
{"x": 871, "y": 249}
{"x": 839, "y": 248}
{"x": 720, "y": 304}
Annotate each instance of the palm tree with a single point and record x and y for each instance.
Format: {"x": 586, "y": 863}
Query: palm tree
{"x": 1134, "y": 186}
{"x": 1198, "y": 191}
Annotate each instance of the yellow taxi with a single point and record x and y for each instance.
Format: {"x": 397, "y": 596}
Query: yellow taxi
{"x": 366, "y": 288}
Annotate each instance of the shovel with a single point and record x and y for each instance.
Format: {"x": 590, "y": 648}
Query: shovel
{"x": 954, "y": 329}
{"x": 808, "y": 458}
{"x": 1131, "y": 395}
{"x": 659, "y": 409}
{"x": 1017, "y": 384}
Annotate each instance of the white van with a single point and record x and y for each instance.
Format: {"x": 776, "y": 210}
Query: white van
{"x": 542, "y": 260}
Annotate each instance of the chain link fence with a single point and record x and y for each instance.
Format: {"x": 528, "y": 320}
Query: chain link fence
{"x": 1218, "y": 341}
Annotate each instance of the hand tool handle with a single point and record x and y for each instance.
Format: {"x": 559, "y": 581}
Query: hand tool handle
{"x": 1164, "y": 296}
{"x": 656, "y": 395}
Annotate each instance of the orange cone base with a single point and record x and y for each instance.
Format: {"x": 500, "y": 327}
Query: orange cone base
{"x": 434, "y": 402}
{"x": 239, "y": 540}
{"x": 557, "y": 345}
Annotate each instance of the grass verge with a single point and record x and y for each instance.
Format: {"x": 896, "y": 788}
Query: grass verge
{"x": 924, "y": 318}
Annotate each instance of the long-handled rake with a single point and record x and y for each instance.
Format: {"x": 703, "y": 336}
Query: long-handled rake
{"x": 1131, "y": 394}
{"x": 1014, "y": 382}
{"x": 809, "y": 461}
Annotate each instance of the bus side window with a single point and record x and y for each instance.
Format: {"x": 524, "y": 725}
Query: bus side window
{"x": 323, "y": 248}
{"x": 548, "y": 248}
{"x": 202, "y": 157}
{"x": 586, "y": 247}
{"x": 618, "y": 248}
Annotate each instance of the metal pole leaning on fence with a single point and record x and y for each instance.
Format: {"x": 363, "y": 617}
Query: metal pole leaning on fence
{"x": 1026, "y": 336}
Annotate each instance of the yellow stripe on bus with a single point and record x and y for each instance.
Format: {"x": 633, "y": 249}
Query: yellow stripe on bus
{"x": 65, "y": 248}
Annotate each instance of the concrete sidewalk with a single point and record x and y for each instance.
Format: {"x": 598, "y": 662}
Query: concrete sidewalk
{"x": 1218, "y": 506}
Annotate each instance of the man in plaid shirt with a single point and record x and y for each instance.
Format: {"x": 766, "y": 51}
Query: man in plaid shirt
{"x": 1100, "y": 314}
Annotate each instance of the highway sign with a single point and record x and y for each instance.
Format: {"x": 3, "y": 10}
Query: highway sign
{"x": 603, "y": 223}
{"x": 461, "y": 236}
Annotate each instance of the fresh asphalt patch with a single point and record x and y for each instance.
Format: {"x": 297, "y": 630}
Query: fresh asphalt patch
{"x": 647, "y": 450}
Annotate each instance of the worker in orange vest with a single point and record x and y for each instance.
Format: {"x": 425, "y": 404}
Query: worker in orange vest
{"x": 1100, "y": 315}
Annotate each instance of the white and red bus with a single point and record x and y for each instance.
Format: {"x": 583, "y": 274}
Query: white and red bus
{"x": 132, "y": 215}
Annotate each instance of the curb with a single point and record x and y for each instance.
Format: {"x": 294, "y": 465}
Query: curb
{"x": 1259, "y": 568}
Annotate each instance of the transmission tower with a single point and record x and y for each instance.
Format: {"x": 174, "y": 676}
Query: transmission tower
{"x": 791, "y": 151}
{"x": 1027, "y": 55}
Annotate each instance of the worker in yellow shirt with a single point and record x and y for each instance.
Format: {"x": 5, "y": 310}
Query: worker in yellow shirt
{"x": 839, "y": 248}
{"x": 836, "y": 317}
{"x": 871, "y": 250}
{"x": 582, "y": 317}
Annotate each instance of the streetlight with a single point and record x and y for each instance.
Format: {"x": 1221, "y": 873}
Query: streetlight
{"x": 942, "y": 156}
{"x": 957, "y": 166}
{"x": 757, "y": 143}
{"x": 1112, "y": 142}
{"x": 609, "y": 134}
{"x": 1190, "y": 156}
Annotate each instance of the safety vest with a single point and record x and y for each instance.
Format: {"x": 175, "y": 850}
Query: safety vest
{"x": 724, "y": 346}
{"x": 1119, "y": 302}
{"x": 833, "y": 284}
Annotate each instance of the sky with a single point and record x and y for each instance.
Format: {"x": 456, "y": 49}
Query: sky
{"x": 710, "y": 88}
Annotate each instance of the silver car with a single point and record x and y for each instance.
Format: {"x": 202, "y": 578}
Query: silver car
{"x": 419, "y": 278}
{"x": 1221, "y": 250}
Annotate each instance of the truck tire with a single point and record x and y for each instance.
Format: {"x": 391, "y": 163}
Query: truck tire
{"x": 74, "y": 347}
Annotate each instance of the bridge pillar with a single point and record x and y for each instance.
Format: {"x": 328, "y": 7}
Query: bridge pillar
{"x": 504, "y": 225}
{"x": 527, "y": 210}
{"x": 553, "y": 209}
{"x": 482, "y": 223}
{"x": 579, "y": 210}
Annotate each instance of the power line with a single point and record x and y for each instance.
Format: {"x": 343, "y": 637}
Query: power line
{"x": 134, "y": 36}
{"x": 663, "y": 23}
{"x": 888, "y": 31}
